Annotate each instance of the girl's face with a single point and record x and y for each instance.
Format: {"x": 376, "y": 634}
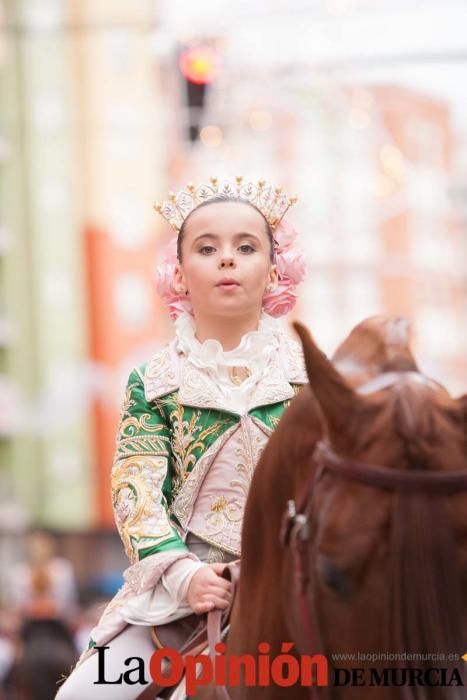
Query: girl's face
{"x": 226, "y": 260}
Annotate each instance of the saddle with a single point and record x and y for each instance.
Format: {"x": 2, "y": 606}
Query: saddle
{"x": 193, "y": 634}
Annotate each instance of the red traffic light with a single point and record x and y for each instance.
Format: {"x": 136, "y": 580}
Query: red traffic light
{"x": 199, "y": 64}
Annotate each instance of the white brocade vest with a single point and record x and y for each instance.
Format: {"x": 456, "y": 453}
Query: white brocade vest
{"x": 212, "y": 501}
{"x": 218, "y": 511}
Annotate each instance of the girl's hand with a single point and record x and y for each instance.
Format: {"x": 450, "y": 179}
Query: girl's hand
{"x": 208, "y": 590}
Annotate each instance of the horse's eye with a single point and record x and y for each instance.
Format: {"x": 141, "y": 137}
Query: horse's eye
{"x": 333, "y": 577}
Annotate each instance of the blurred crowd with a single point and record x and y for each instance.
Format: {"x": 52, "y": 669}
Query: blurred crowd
{"x": 44, "y": 625}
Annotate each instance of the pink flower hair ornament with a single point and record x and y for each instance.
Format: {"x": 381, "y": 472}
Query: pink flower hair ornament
{"x": 291, "y": 268}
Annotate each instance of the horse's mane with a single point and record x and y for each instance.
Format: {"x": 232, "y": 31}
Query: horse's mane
{"x": 426, "y": 595}
{"x": 424, "y": 418}
{"x": 426, "y": 601}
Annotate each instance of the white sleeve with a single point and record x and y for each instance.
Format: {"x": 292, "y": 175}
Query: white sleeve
{"x": 177, "y": 577}
{"x": 167, "y": 600}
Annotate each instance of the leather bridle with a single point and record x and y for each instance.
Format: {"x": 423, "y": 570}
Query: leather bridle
{"x": 296, "y": 533}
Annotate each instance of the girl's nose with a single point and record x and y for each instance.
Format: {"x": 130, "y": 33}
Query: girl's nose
{"x": 227, "y": 262}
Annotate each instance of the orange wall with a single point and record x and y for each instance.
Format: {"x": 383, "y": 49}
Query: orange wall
{"x": 112, "y": 345}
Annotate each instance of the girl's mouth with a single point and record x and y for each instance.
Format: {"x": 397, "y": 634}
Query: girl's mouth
{"x": 227, "y": 283}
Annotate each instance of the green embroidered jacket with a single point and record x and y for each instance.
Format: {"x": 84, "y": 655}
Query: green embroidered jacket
{"x": 173, "y": 424}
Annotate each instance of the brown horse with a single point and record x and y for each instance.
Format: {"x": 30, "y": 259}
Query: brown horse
{"x": 384, "y": 571}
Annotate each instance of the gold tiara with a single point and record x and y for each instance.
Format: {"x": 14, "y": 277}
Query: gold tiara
{"x": 272, "y": 202}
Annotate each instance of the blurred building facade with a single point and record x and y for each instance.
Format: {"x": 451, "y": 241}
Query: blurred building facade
{"x": 385, "y": 234}
{"x": 375, "y": 168}
{"x": 46, "y": 471}
{"x": 121, "y": 167}
{"x": 95, "y": 125}
{"x": 81, "y": 160}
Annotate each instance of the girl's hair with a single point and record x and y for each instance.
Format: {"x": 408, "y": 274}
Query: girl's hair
{"x": 223, "y": 199}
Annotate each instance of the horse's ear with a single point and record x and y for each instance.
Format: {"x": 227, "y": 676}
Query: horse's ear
{"x": 336, "y": 398}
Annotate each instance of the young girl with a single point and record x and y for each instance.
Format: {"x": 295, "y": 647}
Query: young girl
{"x": 196, "y": 417}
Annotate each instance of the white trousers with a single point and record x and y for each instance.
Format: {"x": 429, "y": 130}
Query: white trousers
{"x": 134, "y": 640}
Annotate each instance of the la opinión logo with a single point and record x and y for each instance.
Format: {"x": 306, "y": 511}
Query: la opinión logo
{"x": 398, "y": 677}
{"x": 167, "y": 667}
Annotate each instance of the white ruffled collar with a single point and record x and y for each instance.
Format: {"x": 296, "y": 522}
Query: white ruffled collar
{"x": 253, "y": 351}
{"x": 185, "y": 365}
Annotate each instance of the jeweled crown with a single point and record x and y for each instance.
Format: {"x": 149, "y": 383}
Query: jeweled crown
{"x": 272, "y": 202}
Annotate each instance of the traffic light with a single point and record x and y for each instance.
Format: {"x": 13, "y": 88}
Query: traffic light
{"x": 199, "y": 66}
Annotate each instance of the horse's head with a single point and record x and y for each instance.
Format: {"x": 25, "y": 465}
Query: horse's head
{"x": 376, "y": 550}
{"x": 406, "y": 422}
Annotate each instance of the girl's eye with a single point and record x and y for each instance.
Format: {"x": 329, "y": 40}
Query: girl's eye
{"x": 206, "y": 249}
{"x": 247, "y": 248}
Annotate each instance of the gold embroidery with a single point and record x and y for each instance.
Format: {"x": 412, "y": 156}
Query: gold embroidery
{"x": 223, "y": 512}
{"x": 274, "y": 420}
{"x": 127, "y": 402}
{"x": 129, "y": 441}
{"x": 138, "y": 502}
{"x": 219, "y": 505}
{"x": 182, "y": 505}
{"x": 223, "y": 519}
{"x": 188, "y": 436}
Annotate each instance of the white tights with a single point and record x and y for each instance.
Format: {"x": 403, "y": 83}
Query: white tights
{"x": 134, "y": 640}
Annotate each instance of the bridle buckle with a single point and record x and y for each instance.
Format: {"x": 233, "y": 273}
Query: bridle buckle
{"x": 292, "y": 520}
